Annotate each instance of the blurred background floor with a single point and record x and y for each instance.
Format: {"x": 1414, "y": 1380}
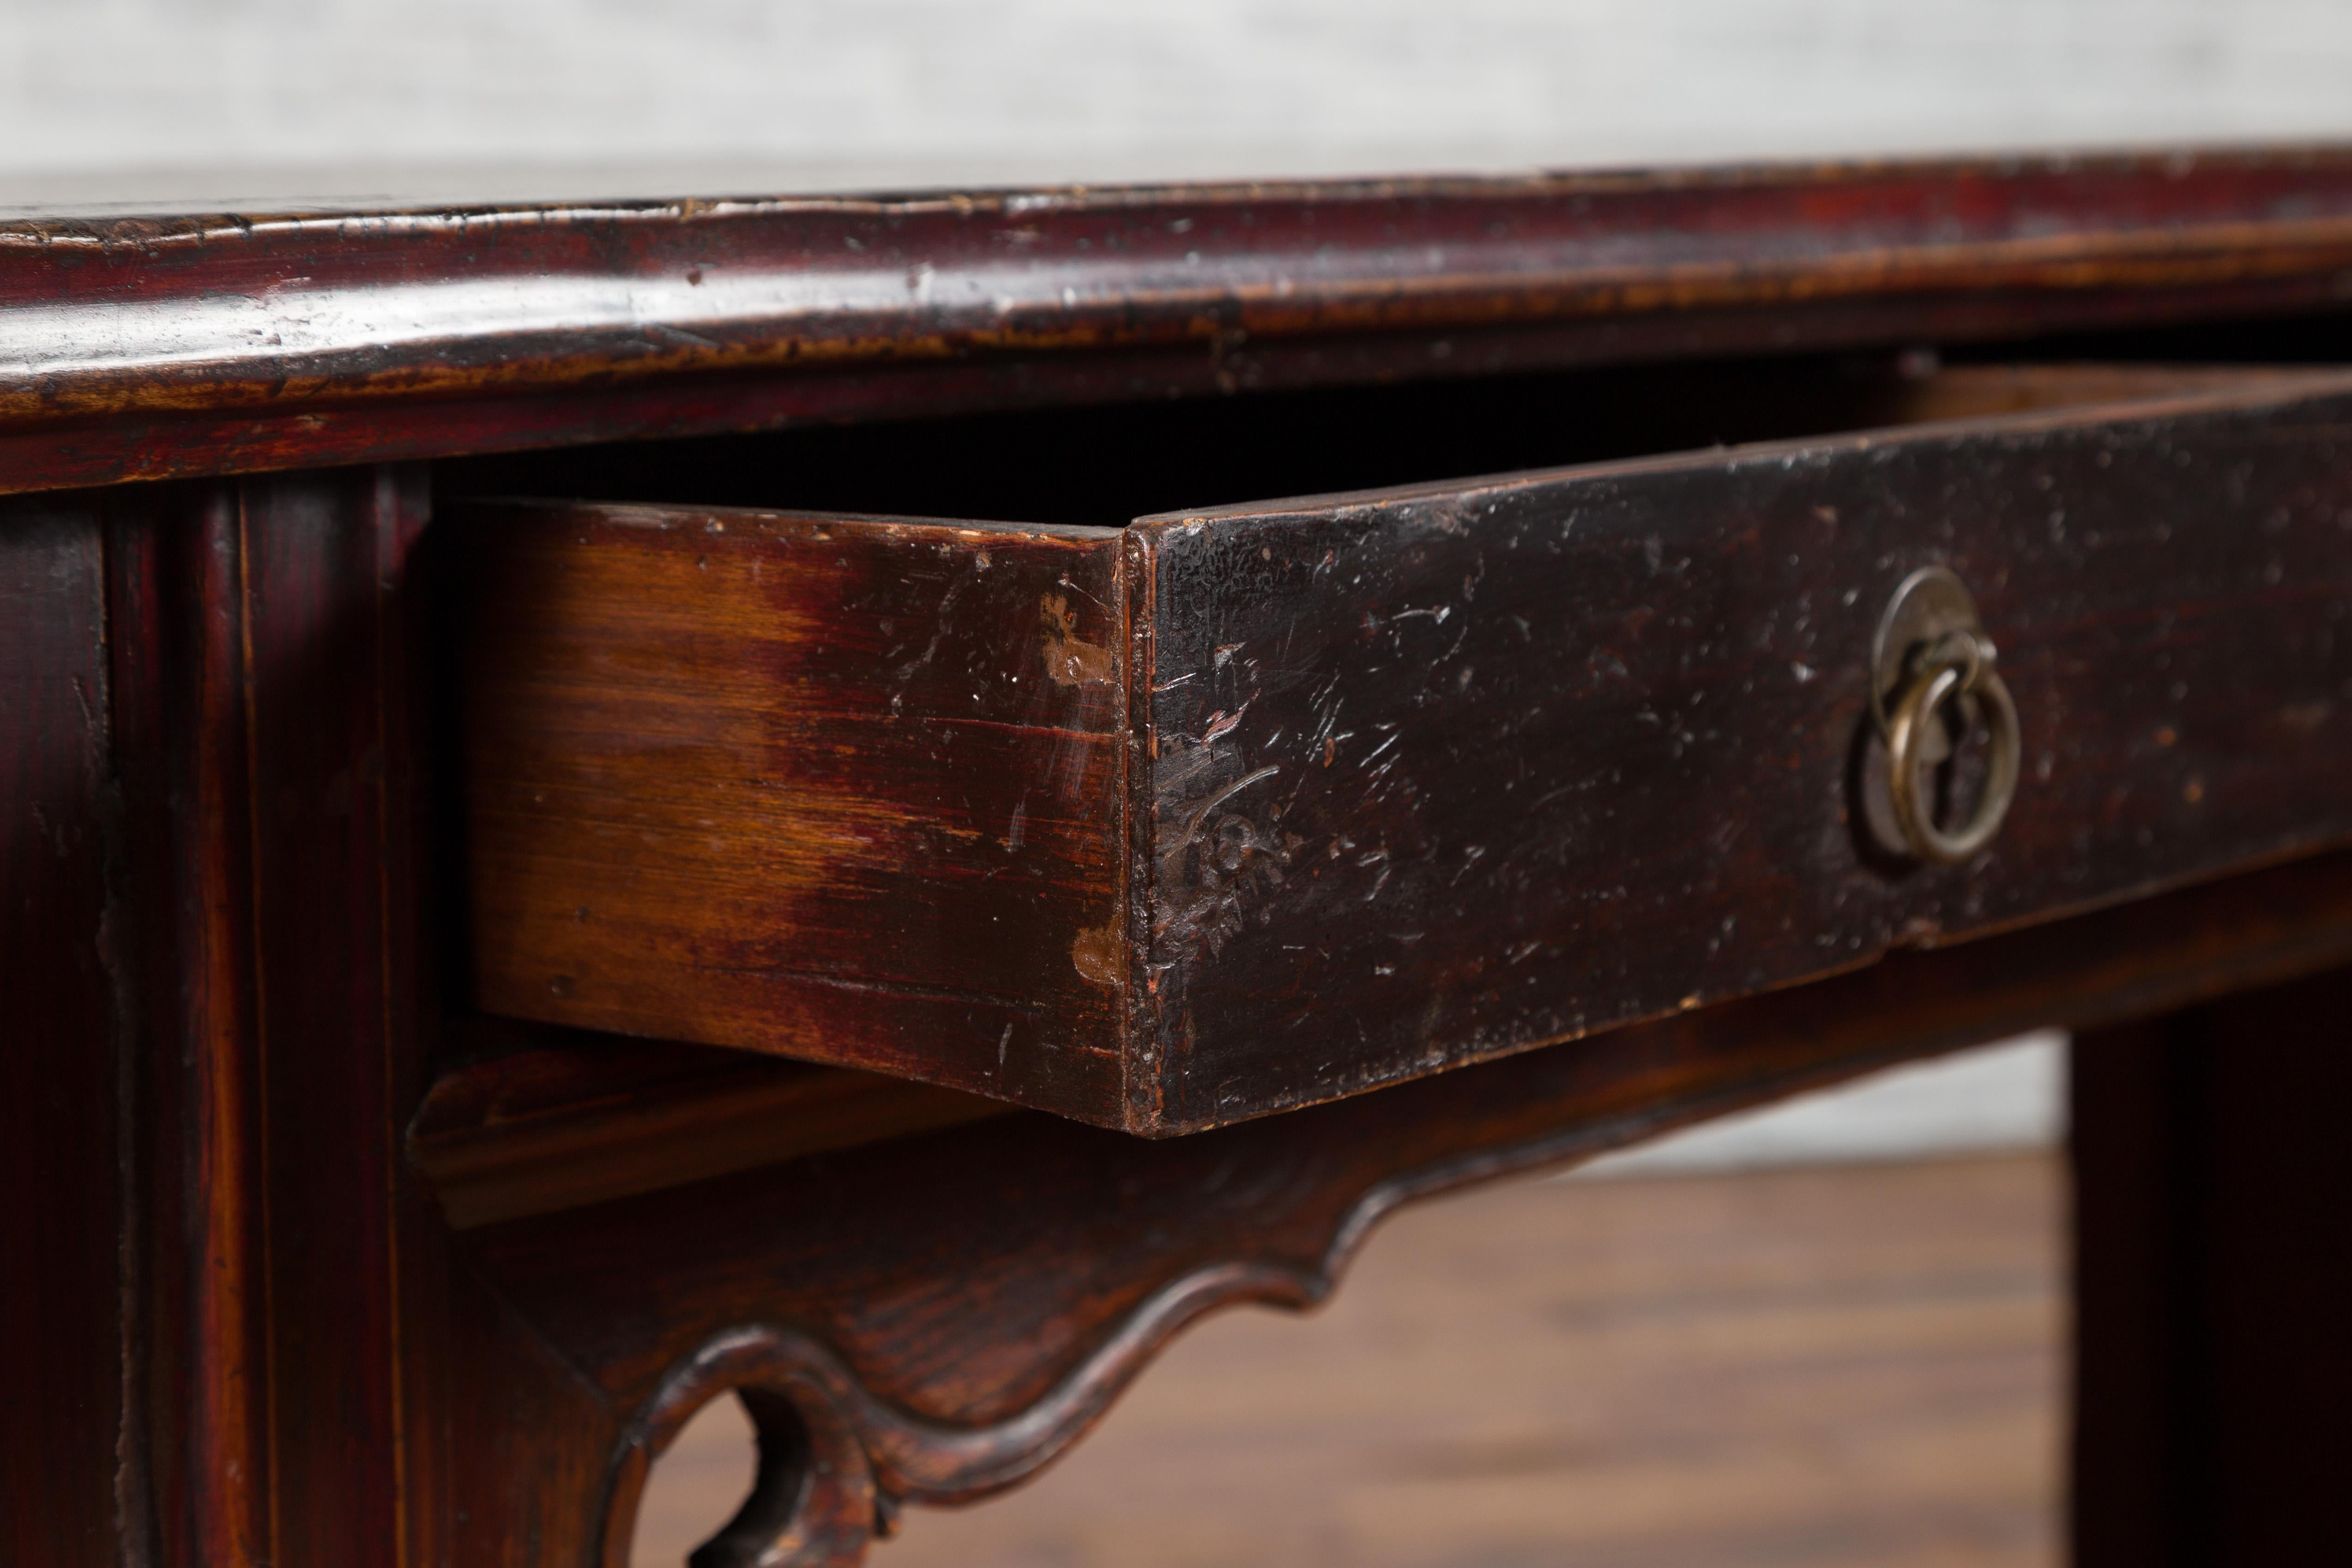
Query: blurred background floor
{"x": 1754, "y": 1346}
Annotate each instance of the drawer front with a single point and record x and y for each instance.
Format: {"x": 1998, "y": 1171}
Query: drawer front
{"x": 1233, "y": 811}
{"x": 1455, "y": 771}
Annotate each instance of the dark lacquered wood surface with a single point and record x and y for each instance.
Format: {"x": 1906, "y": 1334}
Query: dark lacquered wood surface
{"x": 147, "y": 346}
{"x": 2211, "y": 1287}
{"x": 222, "y": 1359}
{"x": 62, "y": 1324}
{"x": 245, "y": 1326}
{"x": 1445, "y": 771}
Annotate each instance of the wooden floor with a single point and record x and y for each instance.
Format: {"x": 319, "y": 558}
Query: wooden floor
{"x": 1802, "y": 1369}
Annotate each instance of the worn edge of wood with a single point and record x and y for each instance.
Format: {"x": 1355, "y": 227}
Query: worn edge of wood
{"x": 664, "y": 517}
{"x": 796, "y": 313}
{"x": 1144, "y": 1090}
{"x": 196, "y": 225}
{"x": 114, "y": 450}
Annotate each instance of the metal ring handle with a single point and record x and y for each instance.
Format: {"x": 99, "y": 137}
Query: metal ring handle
{"x": 1908, "y": 761}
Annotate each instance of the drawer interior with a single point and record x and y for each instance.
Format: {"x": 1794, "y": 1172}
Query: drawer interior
{"x": 1103, "y": 466}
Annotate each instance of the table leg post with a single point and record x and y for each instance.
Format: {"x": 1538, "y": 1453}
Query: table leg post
{"x": 2213, "y": 1283}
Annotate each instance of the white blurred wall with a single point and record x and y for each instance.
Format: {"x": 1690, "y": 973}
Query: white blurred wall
{"x": 634, "y": 92}
{"x": 1997, "y": 1098}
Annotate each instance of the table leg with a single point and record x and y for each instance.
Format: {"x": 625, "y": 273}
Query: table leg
{"x": 2213, "y": 1284}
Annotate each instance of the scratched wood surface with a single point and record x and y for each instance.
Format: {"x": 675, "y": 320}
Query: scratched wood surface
{"x": 1248, "y": 807}
{"x": 1446, "y": 772}
{"x": 850, "y": 784}
{"x": 1860, "y": 1366}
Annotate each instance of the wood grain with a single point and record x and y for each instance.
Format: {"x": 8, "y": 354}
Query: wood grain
{"x": 177, "y": 631}
{"x": 839, "y": 788}
{"x": 323, "y": 569}
{"x": 286, "y": 1352}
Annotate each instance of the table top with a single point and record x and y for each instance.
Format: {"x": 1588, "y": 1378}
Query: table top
{"x": 328, "y": 332}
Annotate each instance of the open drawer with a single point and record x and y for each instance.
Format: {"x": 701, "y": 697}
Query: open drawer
{"x": 1234, "y": 809}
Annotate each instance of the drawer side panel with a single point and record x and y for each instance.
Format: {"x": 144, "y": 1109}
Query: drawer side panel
{"x": 839, "y": 789}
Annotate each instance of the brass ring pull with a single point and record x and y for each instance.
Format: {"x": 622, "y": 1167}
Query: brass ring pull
{"x": 1930, "y": 650}
{"x": 1909, "y": 757}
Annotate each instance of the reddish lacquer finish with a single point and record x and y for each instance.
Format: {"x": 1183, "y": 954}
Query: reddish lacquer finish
{"x": 297, "y": 1268}
{"x": 141, "y": 348}
{"x": 222, "y": 1302}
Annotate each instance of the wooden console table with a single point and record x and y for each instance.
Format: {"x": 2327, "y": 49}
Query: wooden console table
{"x": 609, "y": 805}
